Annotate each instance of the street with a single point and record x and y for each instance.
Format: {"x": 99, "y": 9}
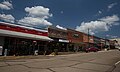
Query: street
{"x": 102, "y": 61}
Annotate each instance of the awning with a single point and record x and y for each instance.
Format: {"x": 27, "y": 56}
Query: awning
{"x": 61, "y": 40}
{"x": 23, "y": 35}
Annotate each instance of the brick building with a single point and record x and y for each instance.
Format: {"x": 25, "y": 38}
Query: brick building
{"x": 76, "y": 40}
{"x": 60, "y": 41}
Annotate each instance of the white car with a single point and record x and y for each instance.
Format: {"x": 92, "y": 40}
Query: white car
{"x": 118, "y": 47}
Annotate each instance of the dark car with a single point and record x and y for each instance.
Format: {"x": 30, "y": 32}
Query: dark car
{"x": 92, "y": 49}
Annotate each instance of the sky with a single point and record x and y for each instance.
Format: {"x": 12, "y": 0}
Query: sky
{"x": 101, "y": 17}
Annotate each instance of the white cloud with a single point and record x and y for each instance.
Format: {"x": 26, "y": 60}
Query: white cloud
{"x": 110, "y": 19}
{"x": 99, "y": 12}
{"x": 31, "y": 21}
{"x": 6, "y": 5}
{"x": 111, "y": 5}
{"x": 111, "y": 36}
{"x": 8, "y": 18}
{"x": 61, "y": 12}
{"x": 102, "y": 24}
{"x": 107, "y": 35}
{"x": 58, "y": 26}
{"x": 38, "y": 11}
{"x": 37, "y": 15}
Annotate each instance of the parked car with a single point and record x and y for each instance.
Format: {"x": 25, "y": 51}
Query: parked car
{"x": 118, "y": 47}
{"x": 92, "y": 49}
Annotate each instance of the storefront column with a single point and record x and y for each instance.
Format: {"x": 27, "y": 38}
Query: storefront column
{"x": 45, "y": 48}
{"x": 1, "y": 45}
{"x": 67, "y": 47}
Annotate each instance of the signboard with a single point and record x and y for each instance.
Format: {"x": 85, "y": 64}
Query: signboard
{"x": 57, "y": 33}
{"x": 1, "y": 50}
{"x": 61, "y": 40}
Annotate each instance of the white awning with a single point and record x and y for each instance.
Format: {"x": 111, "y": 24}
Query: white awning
{"x": 61, "y": 40}
{"x": 23, "y": 35}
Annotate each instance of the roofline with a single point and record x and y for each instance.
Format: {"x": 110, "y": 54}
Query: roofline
{"x": 23, "y": 35}
{"x": 11, "y": 24}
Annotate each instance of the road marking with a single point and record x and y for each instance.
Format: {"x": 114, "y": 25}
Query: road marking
{"x": 117, "y": 63}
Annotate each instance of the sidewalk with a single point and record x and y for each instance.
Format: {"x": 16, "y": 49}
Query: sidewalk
{"x": 38, "y": 56}
{"x": 35, "y": 57}
{"x": 24, "y": 57}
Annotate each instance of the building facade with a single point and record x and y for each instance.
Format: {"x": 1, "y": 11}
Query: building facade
{"x": 76, "y": 40}
{"x": 21, "y": 40}
{"x": 88, "y": 40}
{"x": 115, "y": 43}
{"x": 60, "y": 41}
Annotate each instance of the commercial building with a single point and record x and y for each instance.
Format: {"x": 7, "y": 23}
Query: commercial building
{"x": 98, "y": 42}
{"x": 21, "y": 40}
{"x": 88, "y": 40}
{"x": 60, "y": 41}
{"x": 115, "y": 43}
{"x": 76, "y": 40}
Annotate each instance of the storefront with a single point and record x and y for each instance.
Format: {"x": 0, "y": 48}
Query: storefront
{"x": 97, "y": 42}
{"x": 88, "y": 40}
{"x": 76, "y": 40}
{"x": 21, "y": 40}
{"x": 59, "y": 36}
{"x": 115, "y": 43}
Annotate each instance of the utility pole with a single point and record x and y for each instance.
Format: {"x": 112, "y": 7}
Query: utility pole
{"x": 105, "y": 42}
{"x": 88, "y": 38}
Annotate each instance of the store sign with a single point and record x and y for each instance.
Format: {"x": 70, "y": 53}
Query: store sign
{"x": 55, "y": 33}
{"x": 1, "y": 49}
{"x": 61, "y": 40}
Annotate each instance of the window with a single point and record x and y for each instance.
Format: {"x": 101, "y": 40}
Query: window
{"x": 76, "y": 35}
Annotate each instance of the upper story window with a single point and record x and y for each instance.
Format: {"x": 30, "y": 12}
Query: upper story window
{"x": 76, "y": 35}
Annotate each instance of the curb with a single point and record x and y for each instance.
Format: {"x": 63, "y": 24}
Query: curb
{"x": 23, "y": 57}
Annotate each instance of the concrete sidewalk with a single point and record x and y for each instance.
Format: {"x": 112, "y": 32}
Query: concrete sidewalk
{"x": 42, "y": 56}
{"x": 34, "y": 56}
{"x": 23, "y": 57}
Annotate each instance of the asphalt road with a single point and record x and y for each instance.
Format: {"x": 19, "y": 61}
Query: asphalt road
{"x": 103, "y": 61}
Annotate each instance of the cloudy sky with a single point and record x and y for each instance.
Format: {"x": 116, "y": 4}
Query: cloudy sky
{"x": 101, "y": 17}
